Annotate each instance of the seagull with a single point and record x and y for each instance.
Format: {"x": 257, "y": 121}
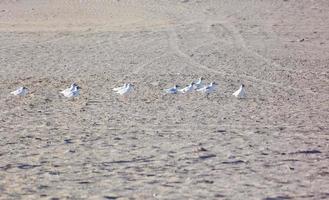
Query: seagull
{"x": 172, "y": 90}
{"x": 72, "y": 91}
{"x": 240, "y": 93}
{"x": 198, "y": 84}
{"x": 188, "y": 88}
{"x": 120, "y": 88}
{"x": 208, "y": 89}
{"x": 125, "y": 89}
{"x": 22, "y": 91}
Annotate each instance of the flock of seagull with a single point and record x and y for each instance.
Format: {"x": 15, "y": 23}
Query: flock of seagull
{"x": 74, "y": 89}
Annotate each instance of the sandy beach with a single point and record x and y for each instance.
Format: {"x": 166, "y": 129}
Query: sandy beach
{"x": 273, "y": 145}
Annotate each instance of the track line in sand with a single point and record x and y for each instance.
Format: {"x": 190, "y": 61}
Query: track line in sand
{"x": 173, "y": 43}
{"x": 222, "y": 127}
{"x": 241, "y": 42}
{"x": 141, "y": 67}
{"x": 34, "y": 43}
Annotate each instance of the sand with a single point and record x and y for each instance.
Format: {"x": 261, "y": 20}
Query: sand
{"x": 271, "y": 145}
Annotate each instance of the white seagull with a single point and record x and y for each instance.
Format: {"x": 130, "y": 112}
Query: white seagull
{"x": 188, "y": 88}
{"x": 208, "y": 89}
{"x": 120, "y": 88}
{"x": 172, "y": 90}
{"x": 72, "y": 91}
{"x": 125, "y": 89}
{"x": 240, "y": 93}
{"x": 22, "y": 91}
{"x": 198, "y": 84}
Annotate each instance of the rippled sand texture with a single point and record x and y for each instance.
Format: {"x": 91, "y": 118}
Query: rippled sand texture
{"x": 272, "y": 145}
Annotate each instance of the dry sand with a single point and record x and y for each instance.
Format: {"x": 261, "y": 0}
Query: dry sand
{"x": 272, "y": 145}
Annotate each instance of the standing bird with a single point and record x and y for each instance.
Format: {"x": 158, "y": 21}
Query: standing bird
{"x": 188, "y": 88}
{"x": 125, "y": 89}
{"x": 72, "y": 91}
{"x": 22, "y": 91}
{"x": 240, "y": 93}
{"x": 172, "y": 90}
{"x": 198, "y": 85}
{"x": 208, "y": 89}
{"x": 120, "y": 88}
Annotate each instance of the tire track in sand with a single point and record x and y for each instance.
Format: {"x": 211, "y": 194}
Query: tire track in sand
{"x": 174, "y": 41}
{"x": 238, "y": 39}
